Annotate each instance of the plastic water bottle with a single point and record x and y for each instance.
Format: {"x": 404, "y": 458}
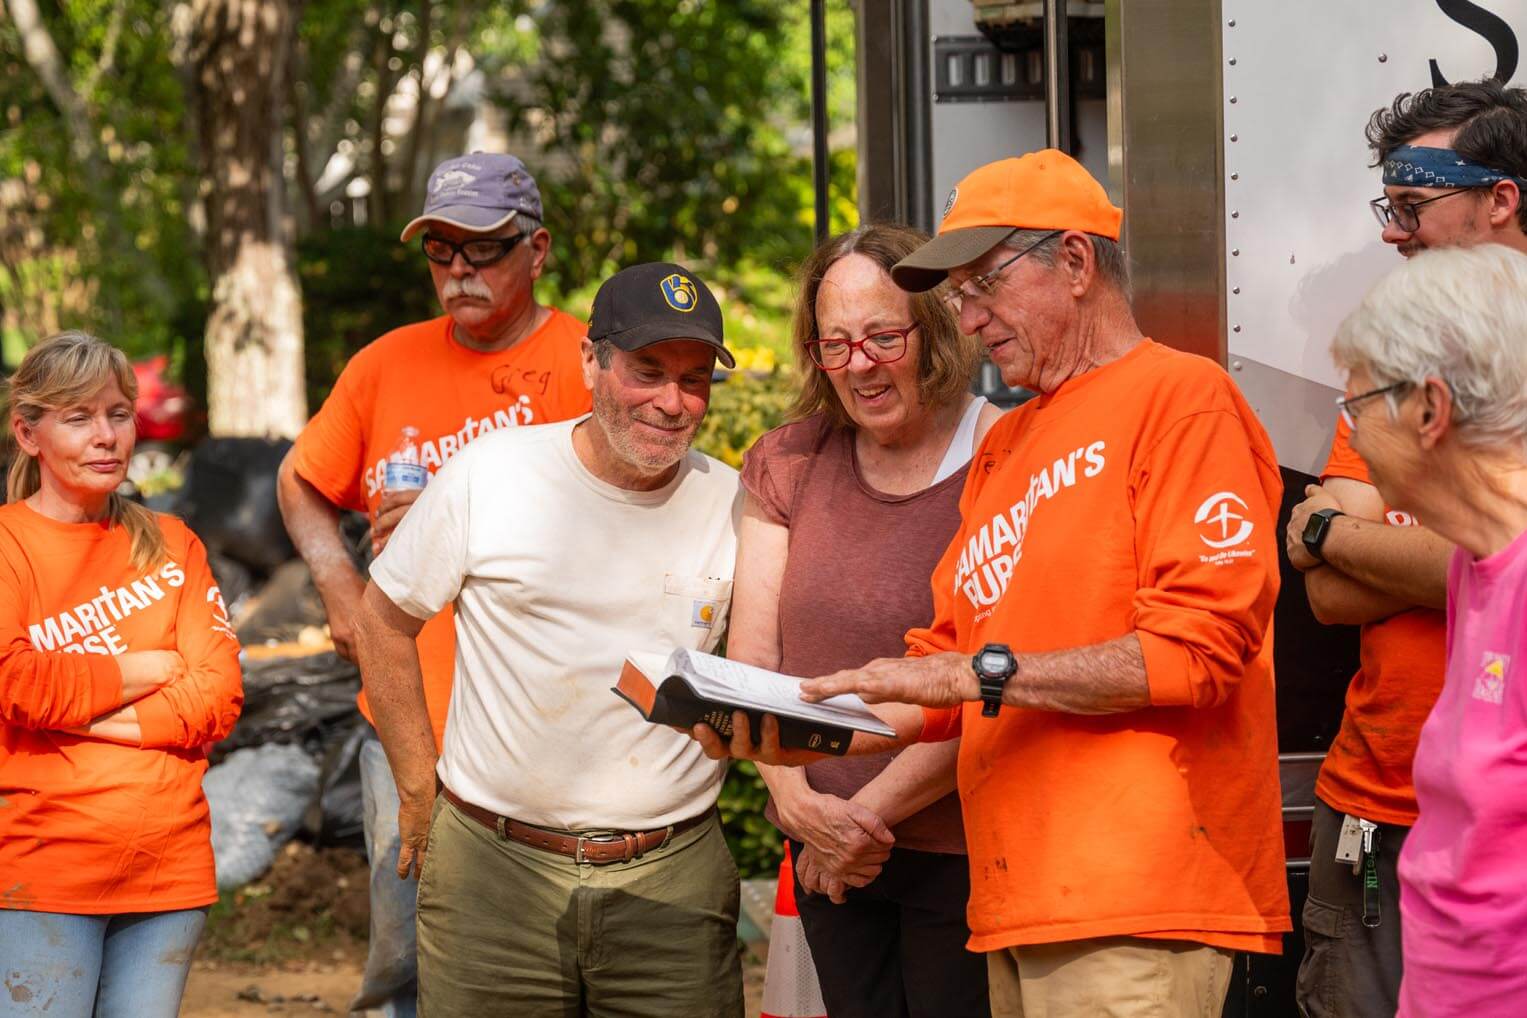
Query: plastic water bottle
{"x": 404, "y": 471}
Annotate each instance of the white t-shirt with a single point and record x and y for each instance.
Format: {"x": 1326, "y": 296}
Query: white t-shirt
{"x": 556, "y": 575}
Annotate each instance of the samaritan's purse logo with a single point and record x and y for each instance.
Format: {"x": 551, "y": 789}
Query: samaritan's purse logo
{"x": 1219, "y": 525}
{"x": 679, "y": 292}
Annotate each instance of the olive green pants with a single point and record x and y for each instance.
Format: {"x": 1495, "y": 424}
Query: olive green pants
{"x": 506, "y": 929}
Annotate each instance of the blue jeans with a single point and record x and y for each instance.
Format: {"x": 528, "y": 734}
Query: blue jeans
{"x": 106, "y": 966}
{"x": 391, "y": 981}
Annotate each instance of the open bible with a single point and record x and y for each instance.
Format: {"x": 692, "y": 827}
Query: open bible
{"x": 687, "y": 687}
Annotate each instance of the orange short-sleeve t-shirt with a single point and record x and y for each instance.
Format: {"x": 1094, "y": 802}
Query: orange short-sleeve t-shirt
{"x": 420, "y": 377}
{"x": 89, "y": 826}
{"x": 1140, "y": 497}
{"x": 1401, "y": 663}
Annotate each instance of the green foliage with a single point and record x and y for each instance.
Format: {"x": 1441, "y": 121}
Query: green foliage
{"x": 117, "y": 222}
{"x": 357, "y": 284}
{"x": 677, "y": 130}
{"x": 659, "y": 128}
{"x": 742, "y": 408}
{"x": 757, "y": 846}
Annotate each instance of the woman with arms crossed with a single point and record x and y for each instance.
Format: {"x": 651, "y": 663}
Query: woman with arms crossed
{"x": 117, "y": 668}
{"x": 848, "y": 510}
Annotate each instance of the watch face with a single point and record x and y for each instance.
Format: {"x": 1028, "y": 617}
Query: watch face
{"x": 993, "y": 662}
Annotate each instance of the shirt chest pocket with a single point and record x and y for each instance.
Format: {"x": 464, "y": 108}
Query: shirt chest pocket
{"x": 694, "y": 610}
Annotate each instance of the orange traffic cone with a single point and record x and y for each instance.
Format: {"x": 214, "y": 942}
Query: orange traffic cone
{"x": 791, "y": 989}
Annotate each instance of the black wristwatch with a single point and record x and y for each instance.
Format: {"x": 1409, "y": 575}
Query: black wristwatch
{"x": 1316, "y": 528}
{"x": 994, "y": 665}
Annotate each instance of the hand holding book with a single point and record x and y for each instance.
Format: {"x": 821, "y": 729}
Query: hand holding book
{"x": 692, "y": 690}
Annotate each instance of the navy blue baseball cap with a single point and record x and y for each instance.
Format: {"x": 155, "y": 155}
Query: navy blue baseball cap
{"x": 656, "y": 302}
{"x": 480, "y": 192}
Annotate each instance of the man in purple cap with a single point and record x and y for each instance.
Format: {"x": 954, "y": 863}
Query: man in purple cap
{"x": 403, "y": 406}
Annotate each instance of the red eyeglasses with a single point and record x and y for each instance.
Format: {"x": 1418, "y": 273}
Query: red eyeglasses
{"x": 883, "y": 347}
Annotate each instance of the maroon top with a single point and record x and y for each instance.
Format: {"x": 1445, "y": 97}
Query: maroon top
{"x": 856, "y": 579}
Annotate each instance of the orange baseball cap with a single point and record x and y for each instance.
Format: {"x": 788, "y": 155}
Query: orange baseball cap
{"x": 1045, "y": 190}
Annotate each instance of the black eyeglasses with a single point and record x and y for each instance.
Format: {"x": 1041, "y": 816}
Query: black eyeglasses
{"x": 478, "y": 252}
{"x": 1404, "y": 213}
{"x": 883, "y": 347}
{"x": 1346, "y": 403}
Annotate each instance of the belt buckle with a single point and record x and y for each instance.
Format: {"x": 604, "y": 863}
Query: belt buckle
{"x": 600, "y": 839}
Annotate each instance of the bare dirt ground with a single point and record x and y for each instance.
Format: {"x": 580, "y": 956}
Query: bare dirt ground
{"x": 294, "y": 942}
{"x": 233, "y": 990}
{"x": 242, "y": 990}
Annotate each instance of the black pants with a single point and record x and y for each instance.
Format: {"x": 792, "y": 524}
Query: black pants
{"x": 1349, "y": 970}
{"x": 896, "y": 949}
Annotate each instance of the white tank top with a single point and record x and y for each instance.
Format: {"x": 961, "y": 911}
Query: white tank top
{"x": 962, "y": 445}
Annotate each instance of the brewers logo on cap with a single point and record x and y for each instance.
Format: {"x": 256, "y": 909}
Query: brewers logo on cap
{"x": 679, "y": 292}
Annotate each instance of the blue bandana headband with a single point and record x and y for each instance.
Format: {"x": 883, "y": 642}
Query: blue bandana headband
{"x": 1439, "y": 167}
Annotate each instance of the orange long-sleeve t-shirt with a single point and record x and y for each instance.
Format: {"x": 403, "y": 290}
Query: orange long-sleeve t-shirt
{"x": 1140, "y": 497}
{"x": 418, "y": 376}
{"x": 1403, "y": 658}
{"x": 89, "y": 826}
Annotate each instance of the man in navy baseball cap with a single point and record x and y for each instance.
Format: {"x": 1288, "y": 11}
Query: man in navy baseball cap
{"x": 656, "y": 302}
{"x": 654, "y": 338}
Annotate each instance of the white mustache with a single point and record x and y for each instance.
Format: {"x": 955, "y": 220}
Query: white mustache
{"x": 467, "y": 287}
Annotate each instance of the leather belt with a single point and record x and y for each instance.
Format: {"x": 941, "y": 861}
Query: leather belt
{"x": 600, "y": 850}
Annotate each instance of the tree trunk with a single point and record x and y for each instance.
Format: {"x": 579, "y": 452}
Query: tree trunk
{"x": 239, "y": 53}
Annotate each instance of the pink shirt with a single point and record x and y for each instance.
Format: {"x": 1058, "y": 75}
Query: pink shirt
{"x": 1463, "y": 871}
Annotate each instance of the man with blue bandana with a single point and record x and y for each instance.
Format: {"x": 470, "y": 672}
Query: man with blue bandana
{"x": 1454, "y": 163}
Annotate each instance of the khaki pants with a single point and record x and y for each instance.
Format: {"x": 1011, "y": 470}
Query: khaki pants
{"x": 1110, "y": 977}
{"x": 506, "y": 929}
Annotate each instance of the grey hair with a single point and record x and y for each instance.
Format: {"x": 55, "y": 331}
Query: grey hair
{"x": 527, "y": 224}
{"x": 1459, "y": 314}
{"x": 604, "y": 353}
{"x": 1113, "y": 263}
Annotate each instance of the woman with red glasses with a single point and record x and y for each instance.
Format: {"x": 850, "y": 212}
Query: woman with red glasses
{"x": 849, "y": 507}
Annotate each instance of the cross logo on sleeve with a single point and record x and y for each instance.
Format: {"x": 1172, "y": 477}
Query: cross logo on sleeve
{"x": 1219, "y": 525}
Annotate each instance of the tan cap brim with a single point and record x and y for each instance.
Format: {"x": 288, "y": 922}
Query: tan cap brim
{"x": 929, "y": 265}
{"x": 467, "y": 217}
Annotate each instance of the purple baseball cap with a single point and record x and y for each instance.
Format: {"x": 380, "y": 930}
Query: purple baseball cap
{"x": 479, "y": 192}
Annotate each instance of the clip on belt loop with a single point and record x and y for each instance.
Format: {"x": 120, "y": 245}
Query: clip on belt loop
{"x": 1371, "y": 917}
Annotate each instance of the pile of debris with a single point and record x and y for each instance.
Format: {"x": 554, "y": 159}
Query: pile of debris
{"x": 291, "y": 766}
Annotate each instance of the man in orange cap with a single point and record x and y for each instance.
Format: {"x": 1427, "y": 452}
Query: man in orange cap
{"x": 1114, "y": 577}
